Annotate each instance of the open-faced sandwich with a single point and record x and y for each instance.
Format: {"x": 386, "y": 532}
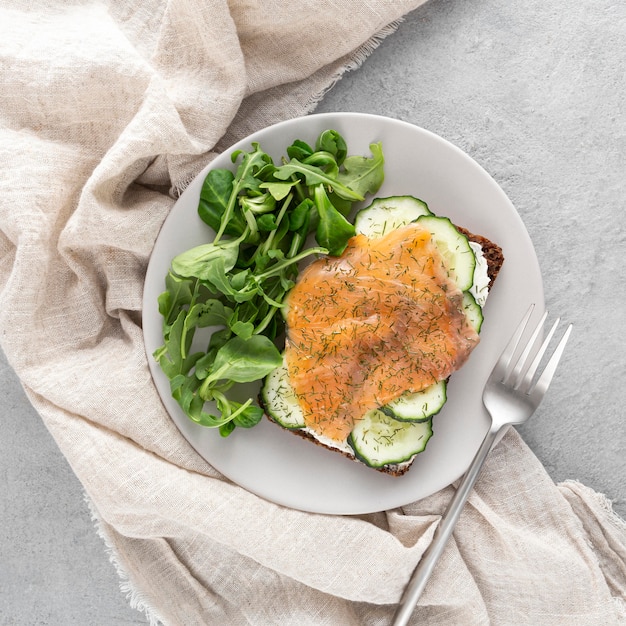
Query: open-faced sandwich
{"x": 374, "y": 334}
{"x": 353, "y": 350}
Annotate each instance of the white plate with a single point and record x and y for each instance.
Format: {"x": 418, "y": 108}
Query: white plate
{"x": 281, "y": 467}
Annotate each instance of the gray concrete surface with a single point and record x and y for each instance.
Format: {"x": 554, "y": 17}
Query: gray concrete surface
{"x": 534, "y": 92}
{"x": 54, "y": 569}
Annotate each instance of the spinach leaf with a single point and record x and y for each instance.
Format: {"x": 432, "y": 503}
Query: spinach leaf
{"x": 185, "y": 391}
{"x": 333, "y": 230}
{"x": 243, "y": 329}
{"x": 249, "y": 417}
{"x": 299, "y": 150}
{"x": 258, "y": 204}
{"x": 173, "y": 355}
{"x": 299, "y": 218}
{"x": 325, "y": 161}
{"x": 244, "y": 360}
{"x": 252, "y": 164}
{"x": 210, "y": 313}
{"x": 214, "y": 198}
{"x": 200, "y": 262}
{"x": 177, "y": 294}
{"x": 266, "y": 223}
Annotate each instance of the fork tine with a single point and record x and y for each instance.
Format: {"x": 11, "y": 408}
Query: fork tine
{"x": 545, "y": 379}
{"x": 515, "y": 376}
{"x": 502, "y": 366}
{"x": 523, "y": 384}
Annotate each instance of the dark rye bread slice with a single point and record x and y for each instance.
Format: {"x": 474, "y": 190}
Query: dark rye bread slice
{"x": 492, "y": 253}
{"x": 494, "y": 258}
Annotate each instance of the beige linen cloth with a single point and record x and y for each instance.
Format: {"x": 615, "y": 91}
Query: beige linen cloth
{"x": 107, "y": 111}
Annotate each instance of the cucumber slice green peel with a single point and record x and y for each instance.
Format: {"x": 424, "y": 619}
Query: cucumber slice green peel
{"x": 379, "y": 440}
{"x": 473, "y": 311}
{"x": 280, "y": 401}
{"x": 419, "y": 406}
{"x": 386, "y": 214}
{"x": 454, "y": 248}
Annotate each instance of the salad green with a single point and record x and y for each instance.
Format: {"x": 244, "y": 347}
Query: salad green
{"x": 262, "y": 215}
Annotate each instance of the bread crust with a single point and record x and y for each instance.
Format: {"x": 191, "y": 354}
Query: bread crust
{"x": 495, "y": 258}
{"x": 493, "y": 253}
{"x": 392, "y": 470}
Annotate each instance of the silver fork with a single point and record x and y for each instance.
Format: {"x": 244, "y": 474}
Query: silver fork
{"x": 511, "y": 397}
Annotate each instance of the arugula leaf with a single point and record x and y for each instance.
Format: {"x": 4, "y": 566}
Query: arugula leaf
{"x": 362, "y": 174}
{"x": 331, "y": 141}
{"x": 252, "y": 164}
{"x": 315, "y": 176}
{"x": 280, "y": 190}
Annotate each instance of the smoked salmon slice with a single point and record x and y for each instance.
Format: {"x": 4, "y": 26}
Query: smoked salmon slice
{"x": 382, "y": 319}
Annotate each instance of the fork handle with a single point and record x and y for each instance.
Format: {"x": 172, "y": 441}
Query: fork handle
{"x": 424, "y": 568}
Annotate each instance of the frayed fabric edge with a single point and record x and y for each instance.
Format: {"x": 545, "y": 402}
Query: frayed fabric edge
{"x": 354, "y": 62}
{"x": 134, "y": 596}
{"x": 621, "y": 607}
{"x": 605, "y": 503}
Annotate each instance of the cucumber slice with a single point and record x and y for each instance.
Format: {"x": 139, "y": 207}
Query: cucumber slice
{"x": 387, "y": 214}
{"x": 280, "y": 401}
{"x": 379, "y": 440}
{"x": 419, "y": 406}
{"x": 454, "y": 247}
{"x": 473, "y": 311}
